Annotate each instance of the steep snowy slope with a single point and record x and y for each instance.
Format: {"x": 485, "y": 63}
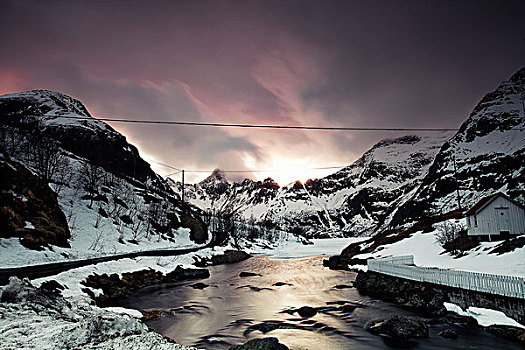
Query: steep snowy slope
{"x": 111, "y": 198}
{"x": 354, "y": 201}
{"x": 489, "y": 152}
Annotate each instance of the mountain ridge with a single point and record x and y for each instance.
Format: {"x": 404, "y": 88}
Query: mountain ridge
{"x": 388, "y": 187}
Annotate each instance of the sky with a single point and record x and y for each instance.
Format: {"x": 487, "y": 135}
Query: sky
{"x": 326, "y": 63}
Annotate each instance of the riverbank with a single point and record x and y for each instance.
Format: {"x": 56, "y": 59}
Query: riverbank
{"x": 297, "y": 301}
{"x": 430, "y": 299}
{"x": 226, "y": 309}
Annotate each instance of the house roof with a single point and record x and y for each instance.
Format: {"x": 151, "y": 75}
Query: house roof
{"x": 483, "y": 202}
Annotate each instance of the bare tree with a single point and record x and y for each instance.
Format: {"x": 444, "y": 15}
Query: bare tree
{"x": 91, "y": 177}
{"x": 448, "y": 232}
{"x": 47, "y": 158}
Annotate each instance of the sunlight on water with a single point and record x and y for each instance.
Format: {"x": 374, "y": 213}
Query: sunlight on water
{"x": 233, "y": 310}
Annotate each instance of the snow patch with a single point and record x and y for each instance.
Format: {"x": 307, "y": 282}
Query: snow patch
{"x": 484, "y": 317}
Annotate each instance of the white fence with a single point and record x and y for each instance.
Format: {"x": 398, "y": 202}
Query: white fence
{"x": 403, "y": 266}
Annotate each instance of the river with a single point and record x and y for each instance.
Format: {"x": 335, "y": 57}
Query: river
{"x": 231, "y": 310}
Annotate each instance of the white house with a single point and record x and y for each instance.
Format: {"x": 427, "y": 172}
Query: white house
{"x": 496, "y": 215}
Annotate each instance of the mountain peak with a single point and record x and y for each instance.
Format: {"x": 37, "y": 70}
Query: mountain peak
{"x": 216, "y": 175}
{"x": 47, "y": 103}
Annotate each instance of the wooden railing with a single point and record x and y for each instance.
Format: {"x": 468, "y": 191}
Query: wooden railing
{"x": 403, "y": 266}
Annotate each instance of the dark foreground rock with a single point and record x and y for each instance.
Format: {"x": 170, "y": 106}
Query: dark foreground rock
{"x": 229, "y": 257}
{"x": 306, "y": 311}
{"x": 448, "y": 333}
{"x": 115, "y": 287}
{"x": 424, "y": 297}
{"x": 199, "y": 285}
{"x": 248, "y": 274}
{"x": 261, "y": 344}
{"x": 343, "y": 286}
{"x": 150, "y": 314}
{"x": 267, "y": 326}
{"x": 400, "y": 327}
{"x": 507, "y": 332}
{"x": 280, "y": 284}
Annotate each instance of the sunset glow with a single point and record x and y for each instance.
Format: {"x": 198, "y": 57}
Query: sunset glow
{"x": 282, "y": 63}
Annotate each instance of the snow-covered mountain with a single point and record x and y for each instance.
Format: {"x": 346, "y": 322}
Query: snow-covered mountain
{"x": 112, "y": 200}
{"x": 489, "y": 152}
{"x": 353, "y": 201}
{"x": 396, "y": 181}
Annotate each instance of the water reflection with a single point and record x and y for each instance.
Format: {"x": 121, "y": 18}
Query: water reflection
{"x": 233, "y": 309}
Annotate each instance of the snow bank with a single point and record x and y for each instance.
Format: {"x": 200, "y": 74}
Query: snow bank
{"x": 484, "y": 317}
{"x": 28, "y": 320}
{"x": 124, "y": 311}
{"x": 428, "y": 253}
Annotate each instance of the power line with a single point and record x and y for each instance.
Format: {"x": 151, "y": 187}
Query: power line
{"x": 264, "y": 170}
{"x": 259, "y": 126}
{"x": 165, "y": 165}
{"x": 236, "y": 171}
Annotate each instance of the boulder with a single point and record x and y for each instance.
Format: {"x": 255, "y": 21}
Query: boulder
{"x": 343, "y": 286}
{"x": 261, "y": 344}
{"x": 181, "y": 273}
{"x": 267, "y": 326}
{"x": 199, "y": 285}
{"x": 448, "y": 333}
{"x": 306, "y": 311}
{"x": 228, "y": 257}
{"x": 248, "y": 274}
{"x": 400, "y": 327}
{"x": 280, "y": 284}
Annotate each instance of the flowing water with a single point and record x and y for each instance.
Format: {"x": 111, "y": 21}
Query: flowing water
{"x": 232, "y": 309}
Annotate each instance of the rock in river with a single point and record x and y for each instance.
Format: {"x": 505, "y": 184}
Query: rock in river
{"x": 229, "y": 257}
{"x": 400, "y": 327}
{"x": 248, "y": 274}
{"x": 261, "y": 344}
{"x": 306, "y": 311}
{"x": 448, "y": 333}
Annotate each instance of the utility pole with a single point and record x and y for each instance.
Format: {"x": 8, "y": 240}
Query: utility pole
{"x": 183, "y": 189}
{"x": 456, "y": 178}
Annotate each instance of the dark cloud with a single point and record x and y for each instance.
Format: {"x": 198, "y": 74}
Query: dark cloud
{"x": 351, "y": 63}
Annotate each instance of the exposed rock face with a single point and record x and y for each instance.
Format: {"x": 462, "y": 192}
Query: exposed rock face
{"x": 401, "y": 327}
{"x": 29, "y": 208}
{"x": 261, "y": 344}
{"x": 489, "y": 152}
